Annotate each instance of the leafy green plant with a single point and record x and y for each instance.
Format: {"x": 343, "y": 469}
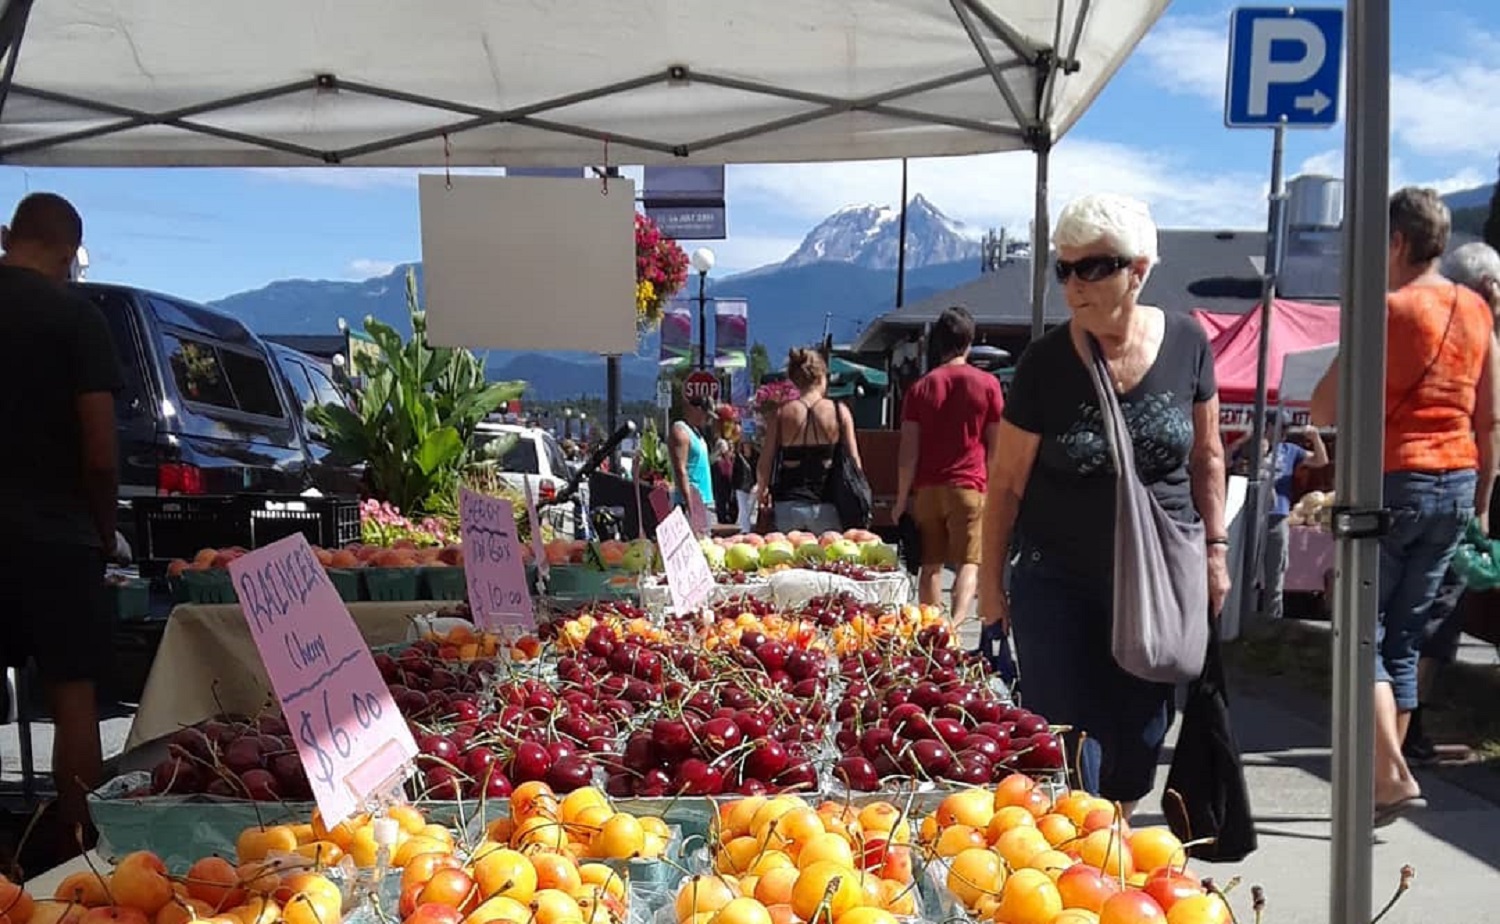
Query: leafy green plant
{"x": 413, "y": 419}
{"x": 651, "y": 460}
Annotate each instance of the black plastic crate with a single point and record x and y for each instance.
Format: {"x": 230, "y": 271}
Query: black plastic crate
{"x": 178, "y": 527}
{"x": 329, "y": 522}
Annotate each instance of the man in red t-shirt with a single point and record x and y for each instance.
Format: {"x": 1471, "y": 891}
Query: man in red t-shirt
{"x": 948, "y": 422}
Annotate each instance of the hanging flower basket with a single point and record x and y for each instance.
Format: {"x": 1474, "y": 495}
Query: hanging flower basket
{"x": 771, "y": 396}
{"x": 661, "y": 270}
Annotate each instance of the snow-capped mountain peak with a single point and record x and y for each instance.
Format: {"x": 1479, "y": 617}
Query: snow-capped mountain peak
{"x": 867, "y": 235}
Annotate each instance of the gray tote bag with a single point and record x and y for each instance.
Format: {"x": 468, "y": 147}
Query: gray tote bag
{"x": 1161, "y": 568}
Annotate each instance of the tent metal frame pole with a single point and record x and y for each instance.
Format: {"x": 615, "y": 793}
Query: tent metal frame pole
{"x": 962, "y": 9}
{"x": 13, "y": 21}
{"x": 176, "y": 118}
{"x": 998, "y": 27}
{"x": 1041, "y": 231}
{"x": 1360, "y": 520}
{"x": 1256, "y": 497}
{"x": 525, "y": 116}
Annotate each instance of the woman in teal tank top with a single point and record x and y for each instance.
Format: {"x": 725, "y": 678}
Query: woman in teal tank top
{"x": 689, "y": 452}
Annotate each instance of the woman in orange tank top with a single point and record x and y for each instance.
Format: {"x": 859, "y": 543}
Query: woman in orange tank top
{"x": 1440, "y": 456}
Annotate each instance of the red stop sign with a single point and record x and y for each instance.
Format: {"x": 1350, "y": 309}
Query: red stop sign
{"x": 701, "y": 384}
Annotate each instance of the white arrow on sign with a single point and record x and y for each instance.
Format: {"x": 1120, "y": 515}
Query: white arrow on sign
{"x": 1314, "y": 102}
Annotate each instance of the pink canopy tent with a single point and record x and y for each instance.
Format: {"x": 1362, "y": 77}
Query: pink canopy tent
{"x": 1235, "y": 339}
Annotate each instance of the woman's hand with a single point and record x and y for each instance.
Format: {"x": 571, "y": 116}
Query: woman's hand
{"x": 994, "y": 608}
{"x": 1218, "y": 578}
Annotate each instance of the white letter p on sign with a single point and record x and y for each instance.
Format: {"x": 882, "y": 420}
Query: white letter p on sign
{"x": 1264, "y": 72}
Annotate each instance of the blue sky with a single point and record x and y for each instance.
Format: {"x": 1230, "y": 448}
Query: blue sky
{"x": 1156, "y": 132}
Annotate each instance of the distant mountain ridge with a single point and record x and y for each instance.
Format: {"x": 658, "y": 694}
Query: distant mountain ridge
{"x": 841, "y": 277}
{"x": 870, "y": 235}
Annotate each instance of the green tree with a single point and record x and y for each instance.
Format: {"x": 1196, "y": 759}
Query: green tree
{"x": 414, "y": 417}
{"x": 760, "y": 363}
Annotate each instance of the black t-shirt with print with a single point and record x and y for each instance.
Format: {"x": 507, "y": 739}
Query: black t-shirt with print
{"x": 1068, "y": 508}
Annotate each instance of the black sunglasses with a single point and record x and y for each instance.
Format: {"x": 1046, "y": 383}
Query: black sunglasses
{"x": 1091, "y": 269}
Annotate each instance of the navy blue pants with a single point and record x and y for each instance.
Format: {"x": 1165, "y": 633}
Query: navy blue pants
{"x": 994, "y": 647}
{"x": 1061, "y": 625}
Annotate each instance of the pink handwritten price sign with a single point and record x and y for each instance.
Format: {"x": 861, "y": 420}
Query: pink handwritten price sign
{"x": 689, "y": 579}
{"x": 496, "y": 576}
{"x": 352, "y": 740}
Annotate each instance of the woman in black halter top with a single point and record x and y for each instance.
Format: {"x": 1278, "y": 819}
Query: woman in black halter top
{"x": 806, "y": 432}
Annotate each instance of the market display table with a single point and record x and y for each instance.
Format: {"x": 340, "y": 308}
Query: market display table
{"x": 1309, "y": 559}
{"x": 207, "y": 663}
{"x": 791, "y": 589}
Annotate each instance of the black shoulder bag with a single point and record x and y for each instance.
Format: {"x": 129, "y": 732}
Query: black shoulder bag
{"x": 848, "y": 489}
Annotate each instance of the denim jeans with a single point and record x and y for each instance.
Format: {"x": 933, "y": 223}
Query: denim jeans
{"x": 809, "y": 518}
{"x": 1061, "y": 624}
{"x": 1429, "y": 511}
{"x": 1273, "y": 568}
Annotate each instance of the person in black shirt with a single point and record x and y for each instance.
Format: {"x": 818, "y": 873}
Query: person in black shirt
{"x": 746, "y": 458}
{"x": 58, "y": 488}
{"x": 1052, "y": 489}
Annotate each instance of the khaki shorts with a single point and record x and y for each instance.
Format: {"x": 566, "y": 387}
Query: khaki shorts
{"x": 948, "y": 520}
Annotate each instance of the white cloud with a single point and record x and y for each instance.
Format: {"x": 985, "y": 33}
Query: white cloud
{"x": 340, "y": 177}
{"x": 368, "y": 269}
{"x": 1449, "y": 111}
{"x": 994, "y": 190}
{"x": 1327, "y": 163}
{"x": 1188, "y": 55}
{"x": 1331, "y": 163}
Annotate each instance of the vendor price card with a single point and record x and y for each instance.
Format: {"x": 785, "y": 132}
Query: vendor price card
{"x": 689, "y": 578}
{"x": 493, "y": 568}
{"x": 352, "y": 740}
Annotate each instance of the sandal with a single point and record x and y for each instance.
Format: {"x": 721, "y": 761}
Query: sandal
{"x": 1385, "y": 814}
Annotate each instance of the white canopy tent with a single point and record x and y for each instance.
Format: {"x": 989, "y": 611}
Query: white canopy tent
{"x": 400, "y": 83}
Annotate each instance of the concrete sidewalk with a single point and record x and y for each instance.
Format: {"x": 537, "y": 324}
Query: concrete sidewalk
{"x": 1454, "y": 846}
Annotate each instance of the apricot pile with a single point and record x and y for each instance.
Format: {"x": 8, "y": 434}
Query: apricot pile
{"x": 355, "y": 838}
{"x": 580, "y": 825}
{"x": 1014, "y": 855}
{"x": 214, "y": 891}
{"x": 779, "y": 860}
{"x": 530, "y": 868}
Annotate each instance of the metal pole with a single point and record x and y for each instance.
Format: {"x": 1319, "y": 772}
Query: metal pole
{"x": 702, "y": 320}
{"x": 1358, "y": 481}
{"x": 1253, "y": 511}
{"x": 612, "y": 404}
{"x": 1040, "y": 232}
{"x": 901, "y": 244}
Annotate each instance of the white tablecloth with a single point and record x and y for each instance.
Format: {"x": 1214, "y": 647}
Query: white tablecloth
{"x": 790, "y": 589}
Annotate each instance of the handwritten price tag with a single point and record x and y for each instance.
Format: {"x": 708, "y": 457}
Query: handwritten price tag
{"x": 352, "y": 740}
{"x": 689, "y": 579}
{"x": 498, "y": 594}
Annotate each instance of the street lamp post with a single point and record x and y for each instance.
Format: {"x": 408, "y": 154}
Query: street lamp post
{"x": 703, "y": 261}
{"x": 567, "y": 423}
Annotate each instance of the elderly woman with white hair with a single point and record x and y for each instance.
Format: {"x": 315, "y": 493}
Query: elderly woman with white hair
{"x": 1477, "y": 266}
{"x": 1051, "y": 503}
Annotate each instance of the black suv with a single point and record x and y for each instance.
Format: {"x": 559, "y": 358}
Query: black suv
{"x": 310, "y": 383}
{"x": 205, "y": 408}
